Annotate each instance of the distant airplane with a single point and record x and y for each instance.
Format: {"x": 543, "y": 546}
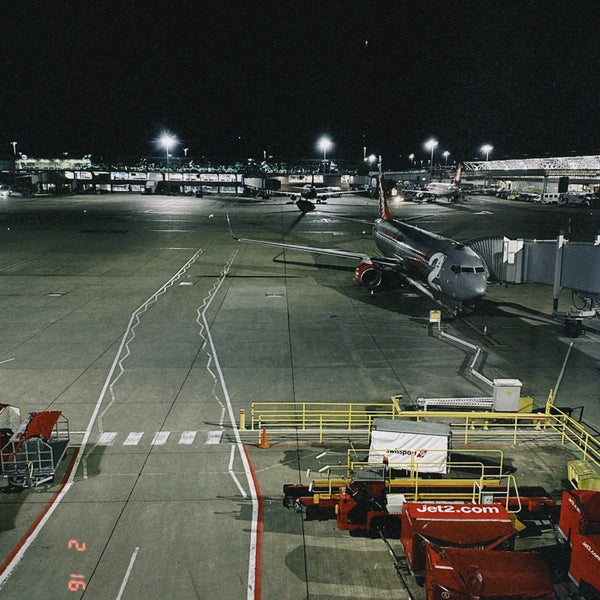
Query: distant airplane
{"x": 433, "y": 264}
{"x": 438, "y": 190}
{"x": 309, "y": 195}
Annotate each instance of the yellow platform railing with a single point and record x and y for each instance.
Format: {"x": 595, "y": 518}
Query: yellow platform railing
{"x": 317, "y": 415}
{"x": 467, "y": 427}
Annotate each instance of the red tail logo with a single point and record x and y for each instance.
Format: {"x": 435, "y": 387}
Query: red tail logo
{"x": 457, "y": 176}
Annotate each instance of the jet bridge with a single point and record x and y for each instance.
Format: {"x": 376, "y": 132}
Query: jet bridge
{"x": 560, "y": 263}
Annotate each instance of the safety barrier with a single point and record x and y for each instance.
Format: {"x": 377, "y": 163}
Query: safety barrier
{"x": 468, "y": 427}
{"x": 487, "y": 483}
{"x": 320, "y": 415}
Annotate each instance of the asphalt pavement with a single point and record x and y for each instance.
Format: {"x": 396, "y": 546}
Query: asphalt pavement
{"x": 150, "y": 328}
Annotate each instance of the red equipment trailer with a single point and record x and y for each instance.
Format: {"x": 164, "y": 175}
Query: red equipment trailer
{"x": 471, "y": 574}
{"x": 579, "y": 523}
{"x": 483, "y": 526}
{"x": 33, "y": 451}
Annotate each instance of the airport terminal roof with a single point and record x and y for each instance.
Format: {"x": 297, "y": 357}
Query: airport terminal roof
{"x": 549, "y": 163}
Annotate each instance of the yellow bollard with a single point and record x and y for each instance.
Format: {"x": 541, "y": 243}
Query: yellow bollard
{"x": 242, "y": 418}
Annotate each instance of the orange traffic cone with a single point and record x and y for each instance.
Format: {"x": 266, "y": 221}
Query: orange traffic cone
{"x": 264, "y": 443}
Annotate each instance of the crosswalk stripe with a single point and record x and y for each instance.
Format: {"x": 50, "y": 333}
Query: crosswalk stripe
{"x": 214, "y": 437}
{"x": 160, "y": 438}
{"x": 187, "y": 437}
{"x": 133, "y": 439}
{"x": 107, "y": 438}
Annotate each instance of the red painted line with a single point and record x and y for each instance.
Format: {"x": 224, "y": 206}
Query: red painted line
{"x": 32, "y": 527}
{"x": 259, "y": 530}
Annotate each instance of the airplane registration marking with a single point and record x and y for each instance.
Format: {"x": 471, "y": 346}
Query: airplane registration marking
{"x": 107, "y": 438}
{"x": 214, "y": 437}
{"x": 187, "y": 437}
{"x": 133, "y": 439}
{"x": 160, "y": 438}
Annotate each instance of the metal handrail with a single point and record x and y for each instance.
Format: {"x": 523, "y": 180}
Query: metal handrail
{"x": 358, "y": 417}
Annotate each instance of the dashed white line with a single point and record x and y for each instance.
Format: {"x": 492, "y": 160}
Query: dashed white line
{"x": 133, "y": 439}
{"x": 160, "y": 438}
{"x": 214, "y": 437}
{"x": 187, "y": 438}
{"x": 107, "y": 438}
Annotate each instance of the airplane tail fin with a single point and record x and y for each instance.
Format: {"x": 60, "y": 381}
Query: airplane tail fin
{"x": 384, "y": 211}
{"x": 457, "y": 176}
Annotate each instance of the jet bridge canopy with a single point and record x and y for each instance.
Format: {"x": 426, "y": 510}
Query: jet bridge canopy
{"x": 571, "y": 265}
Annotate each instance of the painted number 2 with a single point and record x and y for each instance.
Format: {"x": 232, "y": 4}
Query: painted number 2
{"x": 76, "y": 581}
{"x": 79, "y": 546}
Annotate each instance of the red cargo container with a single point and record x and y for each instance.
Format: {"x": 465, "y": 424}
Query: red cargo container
{"x": 580, "y": 524}
{"x": 483, "y": 526}
{"x": 468, "y": 574}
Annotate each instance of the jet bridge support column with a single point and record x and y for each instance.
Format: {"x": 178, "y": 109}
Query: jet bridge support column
{"x": 560, "y": 244}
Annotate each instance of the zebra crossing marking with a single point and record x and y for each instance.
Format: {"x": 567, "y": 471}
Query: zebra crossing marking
{"x": 133, "y": 439}
{"x": 160, "y": 438}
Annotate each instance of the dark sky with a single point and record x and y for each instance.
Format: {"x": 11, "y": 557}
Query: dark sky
{"x": 234, "y": 79}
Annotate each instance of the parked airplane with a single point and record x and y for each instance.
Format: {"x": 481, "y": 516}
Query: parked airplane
{"x": 438, "y": 190}
{"x": 433, "y": 264}
{"x": 308, "y": 195}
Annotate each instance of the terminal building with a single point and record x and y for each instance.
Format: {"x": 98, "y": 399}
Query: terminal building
{"x": 150, "y": 176}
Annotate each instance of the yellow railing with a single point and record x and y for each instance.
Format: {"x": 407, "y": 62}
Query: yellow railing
{"x": 486, "y": 481}
{"x": 318, "y": 415}
{"x": 323, "y": 417}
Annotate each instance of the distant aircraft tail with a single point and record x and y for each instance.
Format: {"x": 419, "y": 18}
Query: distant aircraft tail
{"x": 457, "y": 176}
{"x": 384, "y": 211}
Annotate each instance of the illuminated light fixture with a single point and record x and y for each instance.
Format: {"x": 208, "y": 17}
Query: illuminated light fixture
{"x": 167, "y": 141}
{"x": 486, "y": 149}
{"x": 324, "y": 144}
{"x": 446, "y": 154}
{"x": 431, "y": 145}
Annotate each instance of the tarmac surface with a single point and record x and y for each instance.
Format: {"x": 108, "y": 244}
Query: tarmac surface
{"x": 150, "y": 328}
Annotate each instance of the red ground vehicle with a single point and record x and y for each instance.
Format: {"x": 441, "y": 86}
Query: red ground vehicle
{"x": 580, "y": 524}
{"x": 464, "y": 525}
{"x": 466, "y": 574}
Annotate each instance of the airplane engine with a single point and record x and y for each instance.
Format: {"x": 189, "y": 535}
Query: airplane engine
{"x": 369, "y": 275}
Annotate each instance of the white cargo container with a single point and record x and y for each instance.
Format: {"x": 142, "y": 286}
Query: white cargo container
{"x": 411, "y": 446}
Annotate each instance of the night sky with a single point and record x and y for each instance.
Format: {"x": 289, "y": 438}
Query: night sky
{"x": 233, "y": 80}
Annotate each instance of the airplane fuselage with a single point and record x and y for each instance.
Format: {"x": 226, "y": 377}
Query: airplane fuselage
{"x": 442, "y": 264}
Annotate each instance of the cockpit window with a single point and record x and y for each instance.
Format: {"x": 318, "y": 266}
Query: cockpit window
{"x": 459, "y": 269}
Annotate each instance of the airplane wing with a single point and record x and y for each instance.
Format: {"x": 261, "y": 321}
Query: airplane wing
{"x": 384, "y": 262}
{"x": 360, "y": 256}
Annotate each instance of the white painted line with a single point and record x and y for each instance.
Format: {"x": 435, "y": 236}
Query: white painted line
{"x": 133, "y": 439}
{"x": 160, "y": 439}
{"x": 187, "y": 437}
{"x": 107, "y": 438}
{"x": 214, "y": 437}
{"x": 5, "y": 361}
{"x": 32, "y": 535}
{"x": 252, "y": 562}
{"x": 128, "y": 573}
{"x": 232, "y": 472}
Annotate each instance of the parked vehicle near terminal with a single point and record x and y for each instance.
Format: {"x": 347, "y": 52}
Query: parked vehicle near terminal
{"x": 573, "y": 199}
{"x": 5, "y": 191}
{"x": 547, "y": 198}
{"x": 527, "y": 196}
